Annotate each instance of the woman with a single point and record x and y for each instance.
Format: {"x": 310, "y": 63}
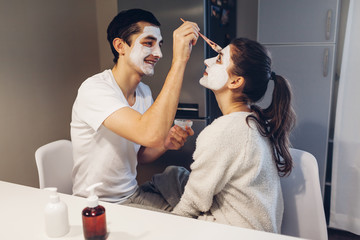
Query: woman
{"x": 240, "y": 156}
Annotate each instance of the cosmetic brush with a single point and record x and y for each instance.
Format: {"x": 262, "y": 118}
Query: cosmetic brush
{"x": 213, "y": 45}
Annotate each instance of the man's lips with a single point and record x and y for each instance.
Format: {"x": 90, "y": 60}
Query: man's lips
{"x": 151, "y": 61}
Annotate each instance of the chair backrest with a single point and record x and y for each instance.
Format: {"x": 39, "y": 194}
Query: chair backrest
{"x": 303, "y": 206}
{"x": 54, "y": 163}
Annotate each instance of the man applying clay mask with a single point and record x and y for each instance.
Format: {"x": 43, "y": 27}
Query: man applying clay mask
{"x": 116, "y": 124}
{"x": 146, "y": 51}
{"x": 216, "y": 75}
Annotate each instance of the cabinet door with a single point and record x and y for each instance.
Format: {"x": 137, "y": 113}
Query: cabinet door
{"x": 309, "y": 70}
{"x": 294, "y": 21}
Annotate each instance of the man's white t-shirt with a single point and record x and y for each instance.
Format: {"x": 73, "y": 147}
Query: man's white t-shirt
{"x": 99, "y": 154}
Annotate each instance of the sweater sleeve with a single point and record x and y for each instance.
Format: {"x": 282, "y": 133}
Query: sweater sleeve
{"x": 214, "y": 164}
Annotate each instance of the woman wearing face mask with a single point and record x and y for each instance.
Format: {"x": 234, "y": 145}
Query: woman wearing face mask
{"x": 240, "y": 156}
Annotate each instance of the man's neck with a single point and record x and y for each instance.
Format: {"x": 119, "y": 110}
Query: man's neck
{"x": 127, "y": 80}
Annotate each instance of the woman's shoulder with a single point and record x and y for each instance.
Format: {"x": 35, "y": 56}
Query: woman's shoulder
{"x": 227, "y": 127}
{"x": 229, "y": 122}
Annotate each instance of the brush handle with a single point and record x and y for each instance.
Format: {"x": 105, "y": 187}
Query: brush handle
{"x": 213, "y": 45}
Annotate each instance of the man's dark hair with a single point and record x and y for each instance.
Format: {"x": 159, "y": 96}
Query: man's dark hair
{"x": 125, "y": 24}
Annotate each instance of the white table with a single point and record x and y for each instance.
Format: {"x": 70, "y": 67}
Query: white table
{"x": 22, "y": 217}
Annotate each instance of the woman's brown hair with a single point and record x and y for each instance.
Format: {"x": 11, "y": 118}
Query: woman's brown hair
{"x": 252, "y": 61}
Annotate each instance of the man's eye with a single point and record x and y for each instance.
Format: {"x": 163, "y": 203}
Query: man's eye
{"x": 147, "y": 44}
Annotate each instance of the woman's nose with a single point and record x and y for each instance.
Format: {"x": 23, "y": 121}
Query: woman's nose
{"x": 210, "y": 61}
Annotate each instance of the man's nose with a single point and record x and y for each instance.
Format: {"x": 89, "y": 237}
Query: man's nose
{"x": 157, "y": 52}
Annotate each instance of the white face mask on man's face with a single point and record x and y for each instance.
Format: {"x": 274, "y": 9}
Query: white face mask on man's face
{"x": 216, "y": 75}
{"x": 140, "y": 51}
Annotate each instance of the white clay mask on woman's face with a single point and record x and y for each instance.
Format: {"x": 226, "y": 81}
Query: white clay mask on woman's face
{"x": 216, "y": 75}
{"x": 140, "y": 52}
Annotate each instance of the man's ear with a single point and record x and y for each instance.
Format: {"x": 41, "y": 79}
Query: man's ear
{"x": 236, "y": 82}
{"x": 119, "y": 45}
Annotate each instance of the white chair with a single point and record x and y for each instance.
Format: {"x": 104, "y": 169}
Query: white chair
{"x": 54, "y": 163}
{"x": 304, "y": 215}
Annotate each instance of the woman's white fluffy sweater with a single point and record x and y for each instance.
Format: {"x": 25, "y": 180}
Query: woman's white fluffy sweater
{"x": 233, "y": 178}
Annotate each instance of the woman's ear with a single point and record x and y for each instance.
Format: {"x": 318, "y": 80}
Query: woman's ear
{"x": 236, "y": 82}
{"x": 119, "y": 45}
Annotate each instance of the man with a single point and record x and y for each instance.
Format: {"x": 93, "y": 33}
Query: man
{"x": 115, "y": 122}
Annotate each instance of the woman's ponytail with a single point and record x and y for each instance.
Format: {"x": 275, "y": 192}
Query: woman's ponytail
{"x": 280, "y": 118}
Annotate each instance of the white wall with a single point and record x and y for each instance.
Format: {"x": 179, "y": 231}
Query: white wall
{"x": 105, "y": 12}
{"x": 47, "y": 48}
{"x": 246, "y": 18}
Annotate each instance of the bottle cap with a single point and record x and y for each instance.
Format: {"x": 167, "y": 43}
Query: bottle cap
{"x": 54, "y": 197}
{"x": 93, "y": 199}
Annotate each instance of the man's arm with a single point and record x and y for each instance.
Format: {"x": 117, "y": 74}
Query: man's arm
{"x": 174, "y": 141}
{"x": 151, "y": 128}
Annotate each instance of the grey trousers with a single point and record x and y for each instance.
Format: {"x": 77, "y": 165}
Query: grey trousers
{"x": 162, "y": 192}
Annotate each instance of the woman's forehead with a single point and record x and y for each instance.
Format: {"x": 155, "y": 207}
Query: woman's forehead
{"x": 226, "y": 50}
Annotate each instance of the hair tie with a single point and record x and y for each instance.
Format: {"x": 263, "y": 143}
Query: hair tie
{"x": 273, "y": 76}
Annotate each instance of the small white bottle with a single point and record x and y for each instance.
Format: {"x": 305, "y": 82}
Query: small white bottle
{"x": 56, "y": 215}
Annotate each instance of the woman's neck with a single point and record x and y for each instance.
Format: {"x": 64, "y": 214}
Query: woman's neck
{"x": 236, "y": 107}
{"x": 227, "y": 104}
